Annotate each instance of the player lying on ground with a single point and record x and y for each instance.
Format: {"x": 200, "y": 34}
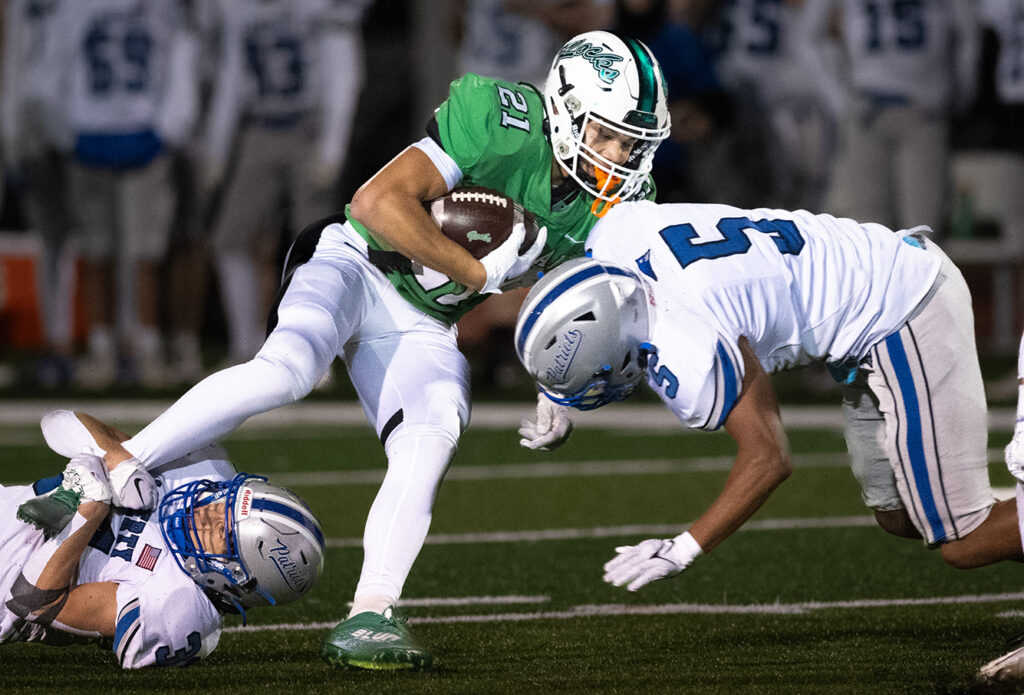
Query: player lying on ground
{"x": 382, "y": 288}
{"x": 157, "y": 583}
{"x": 705, "y": 301}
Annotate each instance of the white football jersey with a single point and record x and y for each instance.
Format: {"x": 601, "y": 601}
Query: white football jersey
{"x": 925, "y": 51}
{"x": 1006, "y": 18}
{"x": 758, "y": 49}
{"x": 128, "y": 66}
{"x": 31, "y": 73}
{"x": 275, "y": 62}
{"x": 163, "y": 617}
{"x": 800, "y": 287}
{"x": 507, "y": 45}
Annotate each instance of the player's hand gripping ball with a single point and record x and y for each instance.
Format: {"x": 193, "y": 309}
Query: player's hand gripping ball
{"x": 479, "y": 219}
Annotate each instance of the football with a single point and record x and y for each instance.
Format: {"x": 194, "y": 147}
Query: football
{"x": 479, "y": 219}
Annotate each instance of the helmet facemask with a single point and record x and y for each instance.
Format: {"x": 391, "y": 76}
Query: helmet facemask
{"x": 603, "y": 80}
{"x": 238, "y": 578}
{"x": 582, "y": 332}
{"x": 608, "y": 385}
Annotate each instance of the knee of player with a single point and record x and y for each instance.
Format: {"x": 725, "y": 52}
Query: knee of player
{"x": 959, "y": 555}
{"x": 897, "y": 522}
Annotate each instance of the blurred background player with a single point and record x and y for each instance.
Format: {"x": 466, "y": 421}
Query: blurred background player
{"x": 153, "y": 585}
{"x": 910, "y": 66}
{"x": 36, "y": 152}
{"x": 786, "y": 124}
{"x": 187, "y": 270}
{"x": 281, "y": 114}
{"x": 127, "y": 70}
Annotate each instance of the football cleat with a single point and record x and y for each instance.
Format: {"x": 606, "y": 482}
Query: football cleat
{"x": 1006, "y": 673}
{"x": 51, "y": 512}
{"x": 374, "y": 641}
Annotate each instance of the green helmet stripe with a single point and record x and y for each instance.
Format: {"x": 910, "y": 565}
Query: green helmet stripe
{"x": 645, "y": 65}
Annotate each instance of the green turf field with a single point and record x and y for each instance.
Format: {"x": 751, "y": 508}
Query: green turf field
{"x": 810, "y": 598}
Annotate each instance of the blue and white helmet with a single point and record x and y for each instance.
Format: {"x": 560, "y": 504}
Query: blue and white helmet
{"x": 582, "y": 333}
{"x": 614, "y": 81}
{"x": 275, "y": 545}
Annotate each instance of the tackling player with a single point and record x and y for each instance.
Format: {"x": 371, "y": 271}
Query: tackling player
{"x": 114, "y": 574}
{"x": 382, "y": 287}
{"x": 705, "y": 301}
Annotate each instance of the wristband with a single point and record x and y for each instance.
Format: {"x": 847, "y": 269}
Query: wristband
{"x": 685, "y": 549}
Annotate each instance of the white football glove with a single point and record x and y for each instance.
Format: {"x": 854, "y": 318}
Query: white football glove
{"x": 132, "y": 487}
{"x": 1015, "y": 456}
{"x": 656, "y": 558}
{"x": 504, "y": 263}
{"x": 86, "y": 475}
{"x": 551, "y": 429}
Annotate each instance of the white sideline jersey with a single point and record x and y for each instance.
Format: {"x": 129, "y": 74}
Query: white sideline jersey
{"x": 924, "y": 51}
{"x": 1006, "y": 19}
{"x": 163, "y": 617}
{"x": 277, "y": 63}
{"x": 128, "y": 67}
{"x": 800, "y": 287}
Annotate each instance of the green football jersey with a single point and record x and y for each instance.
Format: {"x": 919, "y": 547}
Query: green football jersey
{"x": 494, "y": 130}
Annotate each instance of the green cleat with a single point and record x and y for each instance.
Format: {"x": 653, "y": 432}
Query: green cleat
{"x": 374, "y": 641}
{"x": 50, "y": 512}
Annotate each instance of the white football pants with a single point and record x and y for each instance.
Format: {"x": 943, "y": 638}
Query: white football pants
{"x": 411, "y": 379}
{"x": 916, "y": 417}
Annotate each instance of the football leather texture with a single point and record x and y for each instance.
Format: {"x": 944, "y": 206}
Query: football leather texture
{"x": 480, "y": 219}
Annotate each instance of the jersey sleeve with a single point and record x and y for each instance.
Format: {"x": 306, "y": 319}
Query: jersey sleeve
{"x": 462, "y": 121}
{"x": 697, "y": 373}
{"x": 164, "y": 622}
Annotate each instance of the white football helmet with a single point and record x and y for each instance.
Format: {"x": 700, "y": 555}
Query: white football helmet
{"x": 582, "y": 333}
{"x": 275, "y": 546}
{"x": 617, "y": 82}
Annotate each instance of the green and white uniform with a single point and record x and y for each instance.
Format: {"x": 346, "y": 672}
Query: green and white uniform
{"x": 494, "y": 131}
{"x": 393, "y": 329}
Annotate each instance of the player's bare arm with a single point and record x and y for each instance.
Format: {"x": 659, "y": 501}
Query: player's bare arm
{"x": 89, "y": 608}
{"x": 45, "y": 591}
{"x": 390, "y": 205}
{"x": 762, "y": 456}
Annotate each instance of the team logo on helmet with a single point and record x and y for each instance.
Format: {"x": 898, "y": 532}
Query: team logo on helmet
{"x": 569, "y": 346}
{"x": 603, "y": 61}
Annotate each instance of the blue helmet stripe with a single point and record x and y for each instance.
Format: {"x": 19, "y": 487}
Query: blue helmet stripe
{"x": 560, "y": 289}
{"x": 285, "y": 510}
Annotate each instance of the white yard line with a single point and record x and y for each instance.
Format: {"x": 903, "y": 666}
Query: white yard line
{"x": 615, "y": 610}
{"x": 635, "y": 417}
{"x": 638, "y": 530}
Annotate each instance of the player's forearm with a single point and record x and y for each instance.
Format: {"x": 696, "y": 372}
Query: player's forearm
{"x": 59, "y": 568}
{"x": 41, "y": 590}
{"x": 749, "y": 486}
{"x": 401, "y": 222}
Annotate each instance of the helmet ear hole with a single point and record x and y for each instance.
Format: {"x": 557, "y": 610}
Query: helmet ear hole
{"x": 589, "y": 316}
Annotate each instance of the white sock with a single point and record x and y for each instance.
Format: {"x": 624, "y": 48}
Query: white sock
{"x": 240, "y": 291}
{"x": 147, "y": 342}
{"x": 372, "y": 603}
{"x": 101, "y": 341}
{"x": 400, "y": 515}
